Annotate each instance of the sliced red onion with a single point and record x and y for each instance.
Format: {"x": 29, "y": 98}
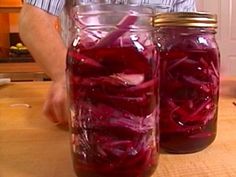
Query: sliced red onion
{"x": 122, "y": 27}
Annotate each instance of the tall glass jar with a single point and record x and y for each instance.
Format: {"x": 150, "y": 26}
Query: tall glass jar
{"x": 112, "y": 79}
{"x": 189, "y": 86}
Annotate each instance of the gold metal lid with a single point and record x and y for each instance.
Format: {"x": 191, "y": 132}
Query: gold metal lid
{"x": 189, "y": 19}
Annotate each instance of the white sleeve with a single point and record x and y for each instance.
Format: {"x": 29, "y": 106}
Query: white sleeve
{"x": 184, "y": 6}
{"x": 51, "y": 6}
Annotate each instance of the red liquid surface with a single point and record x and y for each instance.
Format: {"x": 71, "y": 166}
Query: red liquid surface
{"x": 113, "y": 94}
{"x": 189, "y": 98}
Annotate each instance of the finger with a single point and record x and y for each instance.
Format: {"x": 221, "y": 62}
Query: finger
{"x": 59, "y": 111}
{"x": 60, "y": 108}
{"x": 49, "y": 111}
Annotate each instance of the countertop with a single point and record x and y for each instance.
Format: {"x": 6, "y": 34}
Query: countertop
{"x": 22, "y": 71}
{"x": 29, "y": 67}
{"x": 16, "y": 59}
{"x": 31, "y": 146}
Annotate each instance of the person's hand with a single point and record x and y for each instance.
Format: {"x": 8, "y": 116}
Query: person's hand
{"x": 56, "y": 104}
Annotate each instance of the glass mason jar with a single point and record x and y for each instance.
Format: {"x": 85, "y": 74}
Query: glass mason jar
{"x": 189, "y": 86}
{"x": 112, "y": 80}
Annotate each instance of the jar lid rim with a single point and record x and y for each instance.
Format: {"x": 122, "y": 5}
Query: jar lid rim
{"x": 193, "y": 19}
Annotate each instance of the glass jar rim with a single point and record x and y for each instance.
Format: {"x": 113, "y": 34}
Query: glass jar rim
{"x": 113, "y": 14}
{"x": 103, "y": 8}
{"x": 131, "y": 28}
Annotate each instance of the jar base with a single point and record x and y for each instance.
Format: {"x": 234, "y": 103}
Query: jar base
{"x": 147, "y": 173}
{"x": 189, "y": 146}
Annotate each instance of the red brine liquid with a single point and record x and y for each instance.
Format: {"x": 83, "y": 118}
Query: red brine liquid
{"x": 189, "y": 97}
{"x": 113, "y": 94}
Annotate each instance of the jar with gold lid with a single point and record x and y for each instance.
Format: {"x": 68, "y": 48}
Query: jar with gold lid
{"x": 189, "y": 86}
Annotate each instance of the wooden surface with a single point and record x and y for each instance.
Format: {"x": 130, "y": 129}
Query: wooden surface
{"x": 28, "y": 67}
{"x": 29, "y": 71}
{"x": 31, "y": 146}
{"x": 11, "y": 3}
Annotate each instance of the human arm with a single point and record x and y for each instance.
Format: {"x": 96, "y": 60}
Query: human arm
{"x": 38, "y": 32}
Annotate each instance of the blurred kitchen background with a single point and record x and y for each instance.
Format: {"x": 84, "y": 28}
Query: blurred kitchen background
{"x": 17, "y": 63}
